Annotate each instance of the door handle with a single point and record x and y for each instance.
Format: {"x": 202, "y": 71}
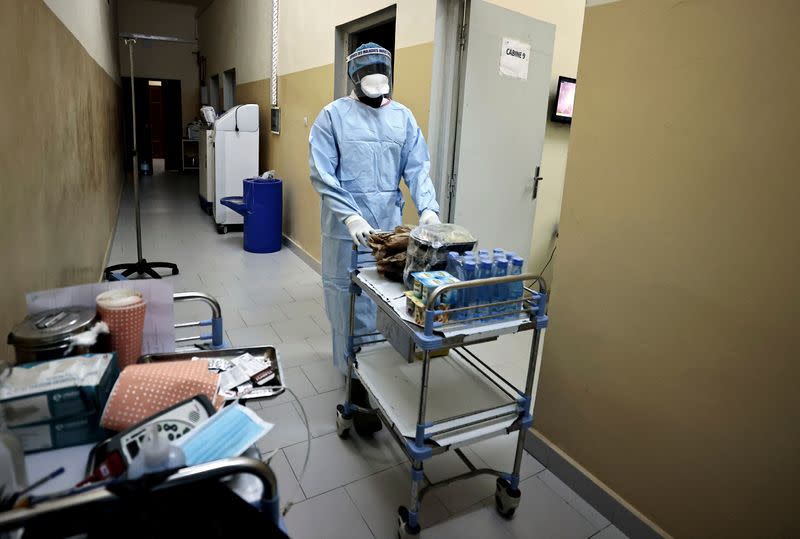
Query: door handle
{"x": 536, "y": 180}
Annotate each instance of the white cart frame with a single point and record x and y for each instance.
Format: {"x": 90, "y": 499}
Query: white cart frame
{"x": 443, "y": 434}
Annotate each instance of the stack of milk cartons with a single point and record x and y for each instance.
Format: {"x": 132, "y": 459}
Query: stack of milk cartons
{"x": 425, "y": 283}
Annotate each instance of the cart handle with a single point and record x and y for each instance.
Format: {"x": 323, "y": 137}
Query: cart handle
{"x": 216, "y": 311}
{"x": 438, "y": 291}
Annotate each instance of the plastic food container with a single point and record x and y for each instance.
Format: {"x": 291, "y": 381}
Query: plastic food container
{"x": 429, "y": 245}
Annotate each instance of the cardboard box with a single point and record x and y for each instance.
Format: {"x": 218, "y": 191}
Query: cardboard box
{"x": 429, "y": 286}
{"x": 61, "y": 433}
{"x": 419, "y": 277}
{"x": 416, "y": 308}
{"x": 47, "y": 391}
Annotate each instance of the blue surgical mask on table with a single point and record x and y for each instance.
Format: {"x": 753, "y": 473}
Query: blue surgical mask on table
{"x": 226, "y": 434}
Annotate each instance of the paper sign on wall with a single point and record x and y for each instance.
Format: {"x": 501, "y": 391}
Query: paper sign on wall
{"x": 515, "y": 57}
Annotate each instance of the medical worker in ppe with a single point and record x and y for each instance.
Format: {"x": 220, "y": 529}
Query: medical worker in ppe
{"x": 359, "y": 148}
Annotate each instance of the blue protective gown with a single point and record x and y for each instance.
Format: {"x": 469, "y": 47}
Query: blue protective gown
{"x": 357, "y": 155}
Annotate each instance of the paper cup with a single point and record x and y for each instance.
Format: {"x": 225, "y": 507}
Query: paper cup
{"x": 123, "y": 310}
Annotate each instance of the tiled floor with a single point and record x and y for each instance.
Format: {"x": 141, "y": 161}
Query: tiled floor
{"x": 352, "y": 488}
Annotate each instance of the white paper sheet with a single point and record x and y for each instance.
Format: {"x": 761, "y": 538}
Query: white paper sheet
{"x": 159, "y": 318}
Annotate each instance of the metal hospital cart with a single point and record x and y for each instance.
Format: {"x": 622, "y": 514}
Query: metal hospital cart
{"x": 415, "y": 399}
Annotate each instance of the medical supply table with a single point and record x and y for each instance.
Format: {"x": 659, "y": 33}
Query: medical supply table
{"x": 418, "y": 401}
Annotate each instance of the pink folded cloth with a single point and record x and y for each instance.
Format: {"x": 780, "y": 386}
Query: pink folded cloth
{"x": 123, "y": 310}
{"x": 144, "y": 390}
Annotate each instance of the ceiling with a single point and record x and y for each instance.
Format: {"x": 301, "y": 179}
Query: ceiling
{"x": 196, "y": 3}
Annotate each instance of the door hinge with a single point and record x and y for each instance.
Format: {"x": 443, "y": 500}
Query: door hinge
{"x": 462, "y": 36}
{"x": 451, "y": 185}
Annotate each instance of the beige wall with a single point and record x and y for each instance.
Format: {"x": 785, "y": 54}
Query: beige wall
{"x": 237, "y": 34}
{"x": 162, "y": 60}
{"x": 306, "y": 58}
{"x": 306, "y": 82}
{"x": 93, "y": 23}
{"x": 318, "y": 19}
{"x": 60, "y": 164}
{"x": 670, "y": 368}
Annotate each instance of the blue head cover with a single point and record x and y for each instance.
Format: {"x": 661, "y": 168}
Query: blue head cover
{"x": 371, "y": 56}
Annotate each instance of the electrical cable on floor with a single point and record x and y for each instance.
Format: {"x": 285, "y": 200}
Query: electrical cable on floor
{"x": 271, "y": 454}
{"x": 308, "y": 453}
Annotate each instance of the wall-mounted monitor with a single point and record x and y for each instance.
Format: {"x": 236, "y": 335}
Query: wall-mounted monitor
{"x": 565, "y": 100}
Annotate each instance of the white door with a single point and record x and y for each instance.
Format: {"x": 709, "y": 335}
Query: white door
{"x": 501, "y": 125}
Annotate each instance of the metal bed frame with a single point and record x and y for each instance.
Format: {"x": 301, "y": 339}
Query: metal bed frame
{"x": 216, "y": 336}
{"x": 531, "y": 309}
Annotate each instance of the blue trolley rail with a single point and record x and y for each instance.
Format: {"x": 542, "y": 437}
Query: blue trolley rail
{"x": 213, "y": 340}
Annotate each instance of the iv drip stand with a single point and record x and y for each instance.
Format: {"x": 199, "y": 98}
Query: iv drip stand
{"x": 141, "y": 266}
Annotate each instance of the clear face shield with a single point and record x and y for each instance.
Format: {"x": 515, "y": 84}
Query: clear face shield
{"x": 371, "y": 70}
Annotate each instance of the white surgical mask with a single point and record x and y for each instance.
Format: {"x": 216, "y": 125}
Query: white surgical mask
{"x": 375, "y": 85}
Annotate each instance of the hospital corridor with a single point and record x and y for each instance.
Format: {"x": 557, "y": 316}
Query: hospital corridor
{"x": 377, "y": 269}
{"x": 349, "y": 489}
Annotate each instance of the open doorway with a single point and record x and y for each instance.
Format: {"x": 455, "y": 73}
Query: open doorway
{"x": 156, "y": 117}
{"x": 378, "y": 27}
{"x": 229, "y": 89}
{"x": 158, "y": 123}
{"x": 213, "y": 93}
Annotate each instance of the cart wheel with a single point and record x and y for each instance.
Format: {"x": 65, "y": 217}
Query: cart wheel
{"x": 222, "y": 229}
{"x": 404, "y": 531}
{"x": 343, "y": 422}
{"x": 506, "y": 499}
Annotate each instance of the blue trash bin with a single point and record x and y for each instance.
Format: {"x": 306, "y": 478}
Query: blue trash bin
{"x": 262, "y": 209}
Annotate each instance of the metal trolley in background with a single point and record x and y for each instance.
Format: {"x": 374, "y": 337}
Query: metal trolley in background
{"x": 379, "y": 366}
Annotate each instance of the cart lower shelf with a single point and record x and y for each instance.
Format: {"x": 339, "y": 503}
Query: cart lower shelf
{"x": 454, "y": 389}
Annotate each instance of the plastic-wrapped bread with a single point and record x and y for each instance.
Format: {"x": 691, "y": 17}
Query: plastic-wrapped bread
{"x": 429, "y": 245}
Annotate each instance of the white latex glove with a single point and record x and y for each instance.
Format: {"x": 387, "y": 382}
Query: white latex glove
{"x": 429, "y": 217}
{"x": 359, "y": 229}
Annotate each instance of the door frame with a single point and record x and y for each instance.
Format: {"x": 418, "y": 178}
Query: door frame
{"x": 342, "y": 44}
{"x": 447, "y": 82}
